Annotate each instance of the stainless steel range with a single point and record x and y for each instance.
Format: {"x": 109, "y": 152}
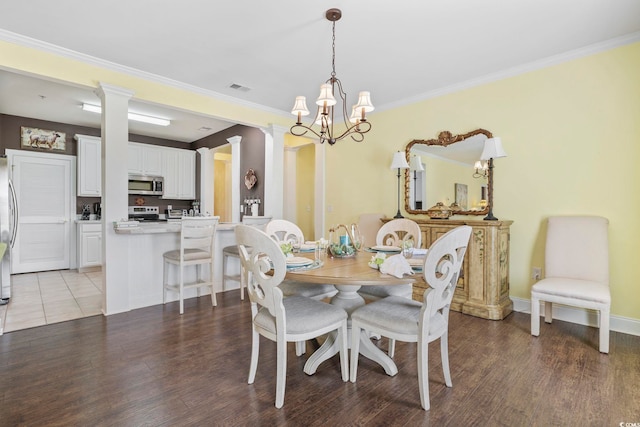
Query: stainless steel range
{"x": 144, "y": 213}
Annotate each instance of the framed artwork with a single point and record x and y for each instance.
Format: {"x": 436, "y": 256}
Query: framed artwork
{"x": 40, "y": 138}
{"x": 461, "y": 196}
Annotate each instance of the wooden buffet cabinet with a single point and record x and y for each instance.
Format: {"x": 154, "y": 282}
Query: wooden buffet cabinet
{"x": 483, "y": 286}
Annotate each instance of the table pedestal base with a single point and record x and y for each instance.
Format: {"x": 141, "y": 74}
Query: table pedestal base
{"x": 349, "y": 299}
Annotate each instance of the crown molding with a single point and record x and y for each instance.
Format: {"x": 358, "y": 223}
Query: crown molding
{"x": 29, "y": 42}
{"x": 32, "y": 43}
{"x": 514, "y": 71}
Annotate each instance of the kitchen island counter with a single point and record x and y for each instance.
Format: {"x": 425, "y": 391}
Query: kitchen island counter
{"x": 147, "y": 242}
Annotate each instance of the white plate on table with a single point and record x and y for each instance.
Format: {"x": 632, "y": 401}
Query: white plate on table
{"x": 307, "y": 247}
{"x": 388, "y": 249}
{"x": 298, "y": 261}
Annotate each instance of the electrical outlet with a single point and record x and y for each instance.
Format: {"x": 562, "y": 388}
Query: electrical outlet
{"x": 537, "y": 273}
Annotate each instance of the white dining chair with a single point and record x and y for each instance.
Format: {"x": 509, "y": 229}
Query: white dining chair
{"x": 197, "y": 241}
{"x": 231, "y": 251}
{"x": 283, "y": 231}
{"x": 407, "y": 320}
{"x": 576, "y": 271}
{"x": 394, "y": 233}
{"x": 291, "y": 319}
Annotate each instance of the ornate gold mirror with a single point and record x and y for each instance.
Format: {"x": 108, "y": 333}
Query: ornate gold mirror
{"x": 448, "y": 174}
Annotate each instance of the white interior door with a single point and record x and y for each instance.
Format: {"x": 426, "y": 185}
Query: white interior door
{"x": 43, "y": 184}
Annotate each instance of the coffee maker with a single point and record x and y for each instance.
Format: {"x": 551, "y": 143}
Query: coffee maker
{"x": 97, "y": 209}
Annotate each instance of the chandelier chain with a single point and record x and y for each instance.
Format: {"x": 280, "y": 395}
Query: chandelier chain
{"x": 333, "y": 50}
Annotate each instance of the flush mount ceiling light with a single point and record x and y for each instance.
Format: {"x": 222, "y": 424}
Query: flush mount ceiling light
{"x": 326, "y": 104}
{"x": 132, "y": 116}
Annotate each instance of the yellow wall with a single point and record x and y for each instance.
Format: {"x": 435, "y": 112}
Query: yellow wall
{"x": 572, "y": 135}
{"x": 220, "y": 201}
{"x": 305, "y": 189}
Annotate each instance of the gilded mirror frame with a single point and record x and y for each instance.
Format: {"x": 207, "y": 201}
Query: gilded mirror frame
{"x": 444, "y": 139}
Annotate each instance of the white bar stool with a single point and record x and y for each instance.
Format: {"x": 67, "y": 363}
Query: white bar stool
{"x": 197, "y": 239}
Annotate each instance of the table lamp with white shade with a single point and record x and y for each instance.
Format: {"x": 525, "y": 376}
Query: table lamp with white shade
{"x": 399, "y": 162}
{"x": 492, "y": 150}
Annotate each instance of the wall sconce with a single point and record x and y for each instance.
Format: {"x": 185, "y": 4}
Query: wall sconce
{"x": 492, "y": 150}
{"x": 399, "y": 162}
{"x": 481, "y": 169}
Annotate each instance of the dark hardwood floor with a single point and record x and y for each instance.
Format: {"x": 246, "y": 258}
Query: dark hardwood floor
{"x": 154, "y": 367}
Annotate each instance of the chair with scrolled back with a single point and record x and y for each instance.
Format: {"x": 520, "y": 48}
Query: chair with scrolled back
{"x": 291, "y": 319}
{"x": 423, "y": 322}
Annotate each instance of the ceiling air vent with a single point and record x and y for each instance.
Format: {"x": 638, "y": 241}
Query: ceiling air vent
{"x": 241, "y": 88}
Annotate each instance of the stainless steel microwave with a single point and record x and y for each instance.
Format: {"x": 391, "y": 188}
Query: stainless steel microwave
{"x": 147, "y": 185}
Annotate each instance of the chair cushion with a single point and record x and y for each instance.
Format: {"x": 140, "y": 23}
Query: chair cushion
{"x": 303, "y": 315}
{"x": 189, "y": 255}
{"x": 395, "y": 314}
{"x": 585, "y": 290}
{"x": 290, "y": 288}
{"x": 231, "y": 250}
{"x": 385, "y": 291}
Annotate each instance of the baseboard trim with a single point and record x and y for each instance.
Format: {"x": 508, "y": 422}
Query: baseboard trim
{"x": 586, "y": 317}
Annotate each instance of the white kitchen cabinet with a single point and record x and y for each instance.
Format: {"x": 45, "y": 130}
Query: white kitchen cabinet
{"x": 89, "y": 245}
{"x": 179, "y": 172}
{"x": 145, "y": 159}
{"x": 187, "y": 172}
{"x": 89, "y": 166}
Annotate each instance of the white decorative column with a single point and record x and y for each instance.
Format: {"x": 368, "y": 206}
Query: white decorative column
{"x": 290, "y": 199}
{"x": 319, "y": 196}
{"x": 206, "y": 179}
{"x": 274, "y": 170}
{"x": 115, "y": 198}
{"x": 235, "y": 177}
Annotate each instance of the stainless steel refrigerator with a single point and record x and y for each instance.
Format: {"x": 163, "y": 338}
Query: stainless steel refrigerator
{"x": 8, "y": 228}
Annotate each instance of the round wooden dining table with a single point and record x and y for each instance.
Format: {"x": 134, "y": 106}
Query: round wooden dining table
{"x": 348, "y": 275}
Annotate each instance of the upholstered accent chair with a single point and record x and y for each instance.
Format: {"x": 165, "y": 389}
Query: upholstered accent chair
{"x": 576, "y": 271}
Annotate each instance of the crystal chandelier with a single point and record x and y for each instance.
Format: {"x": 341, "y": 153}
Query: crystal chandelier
{"x": 357, "y": 124}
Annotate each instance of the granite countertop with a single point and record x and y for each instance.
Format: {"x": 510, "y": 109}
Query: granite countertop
{"x": 164, "y": 227}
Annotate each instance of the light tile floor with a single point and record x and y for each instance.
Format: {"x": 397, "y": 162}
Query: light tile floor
{"x": 49, "y": 297}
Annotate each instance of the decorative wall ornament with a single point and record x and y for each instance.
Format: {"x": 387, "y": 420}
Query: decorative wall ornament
{"x": 40, "y": 138}
{"x": 250, "y": 179}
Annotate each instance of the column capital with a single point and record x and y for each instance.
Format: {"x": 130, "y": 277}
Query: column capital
{"x": 105, "y": 89}
{"x": 234, "y": 139}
